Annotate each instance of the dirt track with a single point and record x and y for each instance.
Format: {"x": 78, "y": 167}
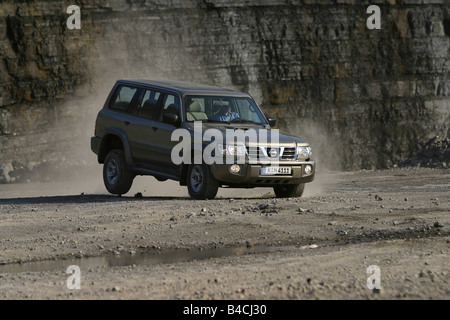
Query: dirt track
{"x": 318, "y": 246}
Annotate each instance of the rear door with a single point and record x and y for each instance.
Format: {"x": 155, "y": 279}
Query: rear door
{"x": 151, "y": 137}
{"x": 141, "y": 133}
{"x": 161, "y": 137}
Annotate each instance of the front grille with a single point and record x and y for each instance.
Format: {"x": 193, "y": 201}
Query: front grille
{"x": 288, "y": 154}
{"x": 263, "y": 152}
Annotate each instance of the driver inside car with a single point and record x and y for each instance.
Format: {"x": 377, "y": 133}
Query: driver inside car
{"x": 225, "y": 114}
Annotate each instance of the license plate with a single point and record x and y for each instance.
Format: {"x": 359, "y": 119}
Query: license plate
{"x": 275, "y": 170}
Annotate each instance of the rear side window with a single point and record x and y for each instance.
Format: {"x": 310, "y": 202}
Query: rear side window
{"x": 122, "y": 98}
{"x": 149, "y": 104}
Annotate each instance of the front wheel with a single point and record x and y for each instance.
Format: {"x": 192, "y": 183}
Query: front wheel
{"x": 289, "y": 190}
{"x": 201, "y": 183}
{"x": 116, "y": 176}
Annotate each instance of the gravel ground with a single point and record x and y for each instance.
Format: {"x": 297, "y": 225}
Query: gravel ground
{"x": 254, "y": 246}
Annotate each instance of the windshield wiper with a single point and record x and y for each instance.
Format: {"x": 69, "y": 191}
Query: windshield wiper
{"x": 243, "y": 121}
{"x": 232, "y": 121}
{"x": 214, "y": 121}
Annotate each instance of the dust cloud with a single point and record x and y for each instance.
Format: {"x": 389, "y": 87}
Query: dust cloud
{"x": 325, "y": 154}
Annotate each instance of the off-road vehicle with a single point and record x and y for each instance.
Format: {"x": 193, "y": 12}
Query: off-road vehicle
{"x": 133, "y": 136}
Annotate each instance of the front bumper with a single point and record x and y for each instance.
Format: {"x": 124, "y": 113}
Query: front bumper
{"x": 250, "y": 174}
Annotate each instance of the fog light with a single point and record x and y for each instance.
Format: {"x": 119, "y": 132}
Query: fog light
{"x": 308, "y": 169}
{"x": 235, "y": 168}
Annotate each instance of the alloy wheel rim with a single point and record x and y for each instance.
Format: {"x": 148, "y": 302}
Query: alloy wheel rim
{"x": 112, "y": 172}
{"x": 197, "y": 178}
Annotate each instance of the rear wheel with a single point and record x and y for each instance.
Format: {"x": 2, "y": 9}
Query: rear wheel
{"x": 289, "y": 191}
{"x": 201, "y": 183}
{"x": 116, "y": 176}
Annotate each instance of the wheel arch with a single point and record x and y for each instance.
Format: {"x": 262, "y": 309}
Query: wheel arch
{"x": 114, "y": 138}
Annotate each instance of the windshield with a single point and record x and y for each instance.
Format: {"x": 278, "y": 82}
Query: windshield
{"x": 223, "y": 109}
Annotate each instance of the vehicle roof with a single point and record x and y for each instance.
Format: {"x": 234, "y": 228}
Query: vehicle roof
{"x": 184, "y": 87}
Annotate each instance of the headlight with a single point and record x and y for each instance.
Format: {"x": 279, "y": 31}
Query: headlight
{"x": 304, "y": 153}
{"x": 231, "y": 150}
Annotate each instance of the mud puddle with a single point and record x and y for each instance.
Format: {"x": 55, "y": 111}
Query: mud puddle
{"x": 143, "y": 259}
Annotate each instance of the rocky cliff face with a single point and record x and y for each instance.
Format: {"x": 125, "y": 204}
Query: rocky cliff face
{"x": 363, "y": 98}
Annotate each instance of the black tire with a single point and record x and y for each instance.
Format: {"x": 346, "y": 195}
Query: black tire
{"x": 289, "y": 190}
{"x": 205, "y": 187}
{"x": 116, "y": 176}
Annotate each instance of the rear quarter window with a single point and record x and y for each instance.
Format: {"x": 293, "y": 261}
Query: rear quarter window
{"x": 122, "y": 98}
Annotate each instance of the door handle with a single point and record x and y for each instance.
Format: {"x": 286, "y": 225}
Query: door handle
{"x": 126, "y": 122}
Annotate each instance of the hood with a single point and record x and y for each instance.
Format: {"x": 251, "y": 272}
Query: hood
{"x": 285, "y": 140}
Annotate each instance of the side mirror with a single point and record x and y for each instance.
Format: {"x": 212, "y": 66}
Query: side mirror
{"x": 170, "y": 118}
{"x": 272, "y": 121}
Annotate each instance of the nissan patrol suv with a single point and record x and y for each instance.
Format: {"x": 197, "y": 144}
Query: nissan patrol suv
{"x": 136, "y": 134}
